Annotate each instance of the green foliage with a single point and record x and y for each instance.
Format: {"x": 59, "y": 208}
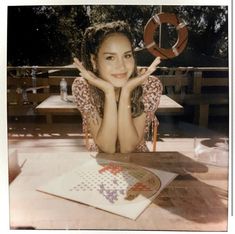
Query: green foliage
{"x": 136, "y": 16}
{"x": 51, "y": 35}
{"x": 208, "y": 26}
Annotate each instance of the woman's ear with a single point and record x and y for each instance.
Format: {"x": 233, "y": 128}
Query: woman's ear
{"x": 93, "y": 62}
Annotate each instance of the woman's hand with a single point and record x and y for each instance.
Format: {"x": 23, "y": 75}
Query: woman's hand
{"x": 92, "y": 78}
{"x": 132, "y": 83}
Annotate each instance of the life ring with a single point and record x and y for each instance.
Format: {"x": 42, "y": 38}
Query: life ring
{"x": 153, "y": 24}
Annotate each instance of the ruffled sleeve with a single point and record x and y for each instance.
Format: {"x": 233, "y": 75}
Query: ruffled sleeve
{"x": 152, "y": 91}
{"x": 82, "y": 95}
{"x": 82, "y": 98}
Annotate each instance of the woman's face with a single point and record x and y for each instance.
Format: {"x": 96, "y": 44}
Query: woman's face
{"x": 115, "y": 62}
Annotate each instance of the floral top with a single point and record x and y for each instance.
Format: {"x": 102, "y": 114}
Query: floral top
{"x": 152, "y": 90}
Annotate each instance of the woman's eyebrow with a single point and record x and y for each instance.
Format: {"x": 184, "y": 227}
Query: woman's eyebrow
{"x": 109, "y": 53}
{"x": 112, "y": 53}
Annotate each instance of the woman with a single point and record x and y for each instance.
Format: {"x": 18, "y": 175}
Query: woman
{"x": 117, "y": 104}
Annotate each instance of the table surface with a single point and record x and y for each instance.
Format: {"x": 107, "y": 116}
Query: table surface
{"x": 55, "y": 104}
{"x": 195, "y": 200}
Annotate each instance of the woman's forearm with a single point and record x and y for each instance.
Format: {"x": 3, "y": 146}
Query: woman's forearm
{"x": 127, "y": 132}
{"x": 106, "y": 136}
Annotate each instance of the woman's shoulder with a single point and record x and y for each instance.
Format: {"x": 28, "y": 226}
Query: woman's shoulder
{"x": 80, "y": 87}
{"x": 152, "y": 82}
{"x": 79, "y": 82}
{"x": 152, "y": 91}
{"x": 152, "y": 85}
{"x": 81, "y": 94}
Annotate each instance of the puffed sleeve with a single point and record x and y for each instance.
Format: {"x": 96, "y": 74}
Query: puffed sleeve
{"x": 82, "y": 98}
{"x": 82, "y": 95}
{"x": 152, "y": 91}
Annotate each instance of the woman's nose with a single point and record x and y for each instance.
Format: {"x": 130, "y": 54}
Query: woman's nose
{"x": 121, "y": 65}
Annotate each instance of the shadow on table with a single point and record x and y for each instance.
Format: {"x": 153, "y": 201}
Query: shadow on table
{"x": 166, "y": 161}
{"x": 186, "y": 196}
{"x": 201, "y": 203}
{"x": 214, "y": 142}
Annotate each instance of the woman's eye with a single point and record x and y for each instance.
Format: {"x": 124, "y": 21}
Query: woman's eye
{"x": 128, "y": 56}
{"x": 109, "y": 58}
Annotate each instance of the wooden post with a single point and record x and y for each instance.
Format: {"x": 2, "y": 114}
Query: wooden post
{"x": 197, "y": 84}
{"x": 203, "y": 115}
{"x": 178, "y": 82}
{"x": 154, "y": 136}
{"x": 49, "y": 118}
{"x": 169, "y": 89}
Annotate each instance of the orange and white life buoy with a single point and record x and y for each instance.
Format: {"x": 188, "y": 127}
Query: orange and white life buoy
{"x": 153, "y": 24}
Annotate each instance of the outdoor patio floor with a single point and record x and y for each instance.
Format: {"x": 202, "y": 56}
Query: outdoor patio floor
{"x": 173, "y": 135}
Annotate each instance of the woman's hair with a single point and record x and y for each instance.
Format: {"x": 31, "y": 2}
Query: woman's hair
{"x": 91, "y": 43}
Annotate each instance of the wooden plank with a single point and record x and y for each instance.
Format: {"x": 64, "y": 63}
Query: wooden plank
{"x": 219, "y": 110}
{"x": 71, "y": 67}
{"x": 21, "y": 110}
{"x": 49, "y": 118}
{"x": 197, "y": 82}
{"x": 42, "y": 68}
{"x": 178, "y": 83}
{"x": 170, "y": 80}
{"x": 14, "y": 98}
{"x": 203, "y": 115}
{"x": 37, "y": 97}
{"x": 206, "y": 99}
{"x": 215, "y": 81}
{"x": 196, "y": 99}
{"x": 26, "y": 81}
{"x": 194, "y": 68}
{"x": 55, "y": 104}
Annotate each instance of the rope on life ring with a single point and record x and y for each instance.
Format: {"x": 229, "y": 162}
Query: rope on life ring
{"x": 153, "y": 24}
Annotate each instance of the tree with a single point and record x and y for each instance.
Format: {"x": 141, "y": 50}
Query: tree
{"x": 45, "y": 35}
{"x": 135, "y": 16}
{"x": 51, "y": 35}
{"x": 208, "y": 26}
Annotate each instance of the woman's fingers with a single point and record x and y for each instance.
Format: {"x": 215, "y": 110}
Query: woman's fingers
{"x": 79, "y": 65}
{"x": 150, "y": 69}
{"x": 142, "y": 71}
{"x": 77, "y": 62}
{"x": 88, "y": 75}
{"x": 144, "y": 74}
{"x": 91, "y": 77}
{"x": 83, "y": 71}
{"x": 153, "y": 65}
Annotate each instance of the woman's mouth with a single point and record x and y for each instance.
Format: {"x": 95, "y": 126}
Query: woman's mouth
{"x": 120, "y": 75}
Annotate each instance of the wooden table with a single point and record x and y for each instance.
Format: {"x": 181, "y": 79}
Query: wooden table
{"x": 54, "y": 105}
{"x": 195, "y": 200}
